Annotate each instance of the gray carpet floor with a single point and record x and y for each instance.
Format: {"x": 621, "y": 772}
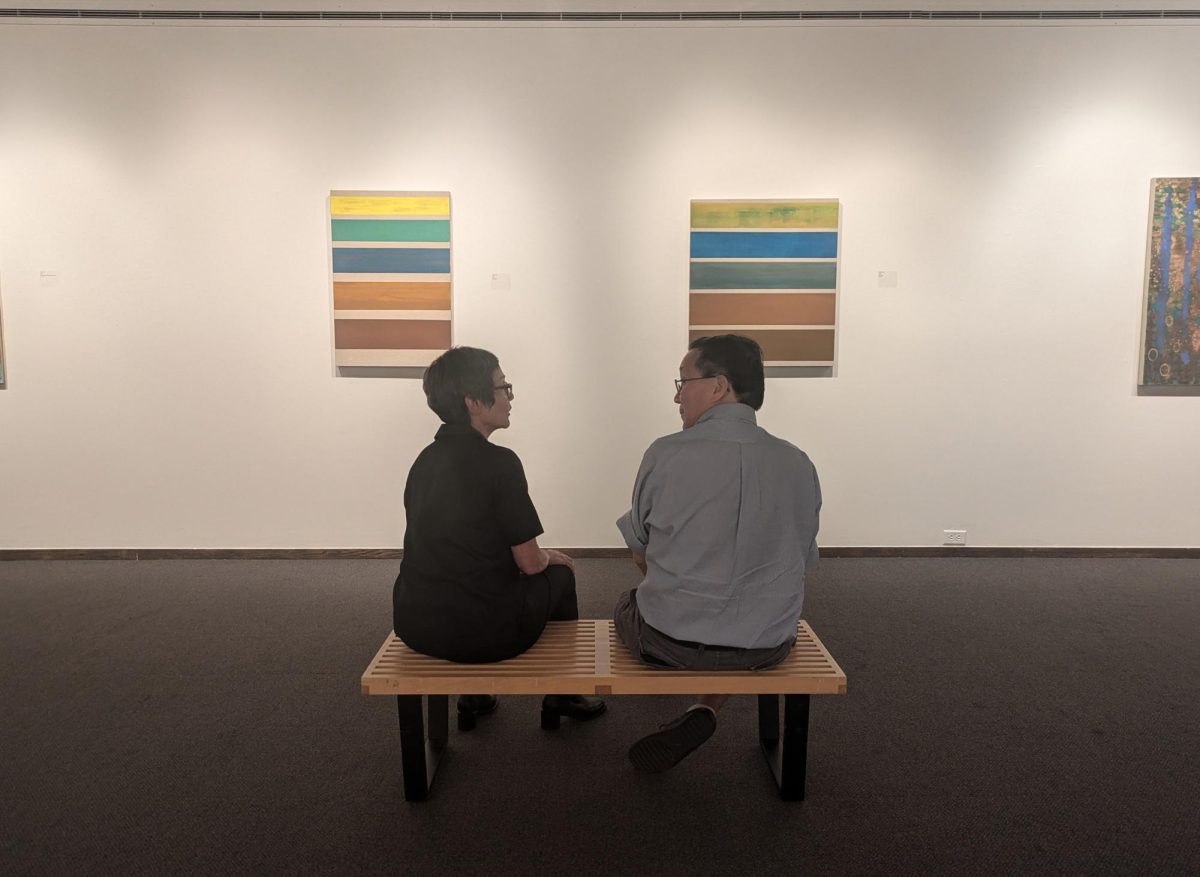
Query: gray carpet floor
{"x": 1025, "y": 716}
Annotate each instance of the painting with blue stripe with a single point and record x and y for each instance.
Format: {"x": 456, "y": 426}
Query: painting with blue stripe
{"x": 1171, "y": 353}
{"x": 756, "y": 245}
{"x": 767, "y": 269}
{"x": 366, "y": 260}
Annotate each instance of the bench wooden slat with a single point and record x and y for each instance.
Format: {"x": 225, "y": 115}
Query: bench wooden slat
{"x": 808, "y": 669}
{"x": 563, "y": 661}
{"x": 586, "y": 657}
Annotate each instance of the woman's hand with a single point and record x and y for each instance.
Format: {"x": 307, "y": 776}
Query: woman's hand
{"x": 557, "y": 558}
{"x": 532, "y": 560}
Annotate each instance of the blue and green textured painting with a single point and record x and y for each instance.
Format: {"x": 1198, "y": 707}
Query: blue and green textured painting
{"x": 1171, "y": 353}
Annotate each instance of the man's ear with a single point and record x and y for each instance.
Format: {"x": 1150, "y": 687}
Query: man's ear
{"x": 474, "y": 406}
{"x": 722, "y": 386}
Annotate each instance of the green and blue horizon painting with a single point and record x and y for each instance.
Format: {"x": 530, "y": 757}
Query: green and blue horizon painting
{"x": 1171, "y": 352}
{"x": 767, "y": 269}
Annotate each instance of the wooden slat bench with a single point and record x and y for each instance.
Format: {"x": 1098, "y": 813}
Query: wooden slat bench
{"x": 585, "y": 657}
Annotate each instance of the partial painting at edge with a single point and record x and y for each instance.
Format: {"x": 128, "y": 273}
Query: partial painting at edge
{"x": 769, "y": 270}
{"x": 1171, "y": 352}
{"x": 3, "y": 373}
{"x": 391, "y": 277}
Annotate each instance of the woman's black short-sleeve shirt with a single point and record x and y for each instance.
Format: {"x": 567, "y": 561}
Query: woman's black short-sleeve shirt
{"x": 467, "y": 504}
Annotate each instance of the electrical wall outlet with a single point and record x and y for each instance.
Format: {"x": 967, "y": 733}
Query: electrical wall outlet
{"x": 954, "y": 537}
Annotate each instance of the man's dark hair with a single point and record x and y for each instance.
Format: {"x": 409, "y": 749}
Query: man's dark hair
{"x": 738, "y": 358}
{"x": 459, "y": 372}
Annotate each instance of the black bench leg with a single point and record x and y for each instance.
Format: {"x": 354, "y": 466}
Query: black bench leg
{"x": 439, "y": 722}
{"x": 420, "y": 754}
{"x": 787, "y": 757}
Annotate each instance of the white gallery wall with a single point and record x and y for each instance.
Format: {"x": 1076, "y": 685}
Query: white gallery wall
{"x": 164, "y": 268}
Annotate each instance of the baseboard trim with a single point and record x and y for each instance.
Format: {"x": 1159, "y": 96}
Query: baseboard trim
{"x": 1010, "y": 551}
{"x": 396, "y": 553}
{"x": 197, "y": 553}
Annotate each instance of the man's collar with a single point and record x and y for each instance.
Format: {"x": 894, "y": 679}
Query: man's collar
{"x": 458, "y": 430}
{"x": 729, "y": 411}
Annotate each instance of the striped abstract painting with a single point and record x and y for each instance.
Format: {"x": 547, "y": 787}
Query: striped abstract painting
{"x": 768, "y": 270}
{"x": 1171, "y": 350}
{"x": 3, "y": 379}
{"x": 391, "y": 277}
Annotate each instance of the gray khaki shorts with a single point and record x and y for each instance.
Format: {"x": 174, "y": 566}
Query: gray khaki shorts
{"x": 655, "y": 649}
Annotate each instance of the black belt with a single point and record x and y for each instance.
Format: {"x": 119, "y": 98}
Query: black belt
{"x": 706, "y": 647}
{"x": 688, "y": 644}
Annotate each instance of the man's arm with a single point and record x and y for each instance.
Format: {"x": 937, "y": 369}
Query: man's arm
{"x": 813, "y": 553}
{"x": 629, "y": 532}
{"x": 633, "y": 524}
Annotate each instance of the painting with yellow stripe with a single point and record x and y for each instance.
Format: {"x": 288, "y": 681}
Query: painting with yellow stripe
{"x": 767, "y": 269}
{"x": 392, "y": 278}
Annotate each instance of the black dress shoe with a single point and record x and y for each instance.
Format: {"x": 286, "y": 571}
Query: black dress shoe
{"x": 472, "y": 706}
{"x": 573, "y": 706}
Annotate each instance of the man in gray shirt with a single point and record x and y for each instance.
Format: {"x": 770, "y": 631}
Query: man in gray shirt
{"x": 723, "y": 525}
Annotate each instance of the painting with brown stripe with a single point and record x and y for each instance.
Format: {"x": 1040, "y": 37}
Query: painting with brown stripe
{"x": 767, "y": 269}
{"x": 392, "y": 278}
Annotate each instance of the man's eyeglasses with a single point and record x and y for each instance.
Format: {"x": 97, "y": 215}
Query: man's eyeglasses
{"x": 507, "y": 388}
{"x": 679, "y": 382}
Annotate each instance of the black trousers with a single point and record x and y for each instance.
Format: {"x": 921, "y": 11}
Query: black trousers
{"x": 547, "y": 596}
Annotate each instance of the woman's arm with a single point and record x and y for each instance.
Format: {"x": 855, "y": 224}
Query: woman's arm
{"x": 533, "y": 560}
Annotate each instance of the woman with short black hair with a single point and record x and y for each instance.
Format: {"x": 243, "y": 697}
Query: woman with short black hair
{"x": 474, "y": 586}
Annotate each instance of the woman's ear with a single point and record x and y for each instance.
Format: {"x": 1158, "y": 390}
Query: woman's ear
{"x": 474, "y": 406}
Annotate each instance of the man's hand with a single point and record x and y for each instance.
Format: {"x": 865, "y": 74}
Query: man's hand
{"x": 639, "y": 560}
{"x": 560, "y": 559}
